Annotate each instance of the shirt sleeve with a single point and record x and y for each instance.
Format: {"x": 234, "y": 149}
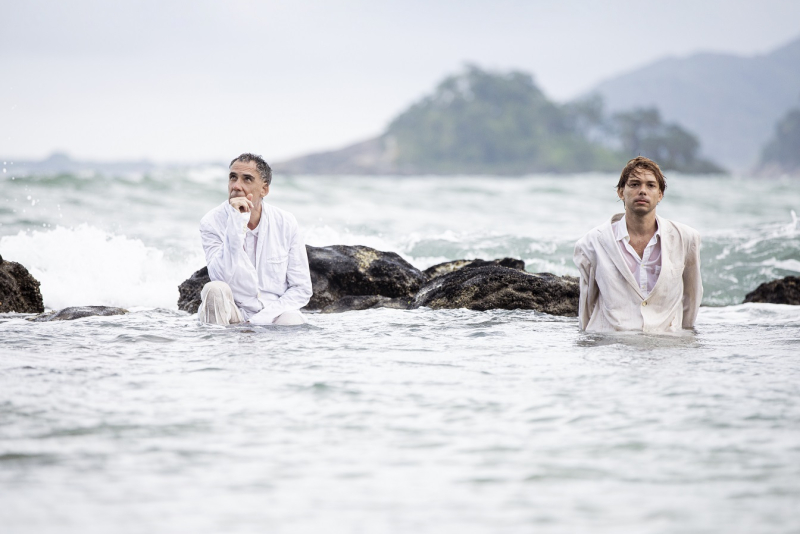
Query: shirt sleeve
{"x": 692, "y": 283}
{"x": 298, "y": 279}
{"x": 588, "y": 285}
{"x": 223, "y": 244}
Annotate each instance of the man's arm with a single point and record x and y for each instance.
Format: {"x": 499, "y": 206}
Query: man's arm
{"x": 692, "y": 283}
{"x": 227, "y": 260}
{"x": 588, "y": 286}
{"x": 298, "y": 278}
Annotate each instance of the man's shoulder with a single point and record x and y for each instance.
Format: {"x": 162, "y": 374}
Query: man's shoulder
{"x": 279, "y": 213}
{"x": 687, "y": 237}
{"x": 685, "y": 231}
{"x": 595, "y": 234}
{"x": 215, "y": 215}
{"x": 280, "y": 217}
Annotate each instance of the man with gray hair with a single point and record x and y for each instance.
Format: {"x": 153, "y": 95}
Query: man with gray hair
{"x": 255, "y": 254}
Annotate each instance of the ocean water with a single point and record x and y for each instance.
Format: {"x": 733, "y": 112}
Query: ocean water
{"x": 392, "y": 420}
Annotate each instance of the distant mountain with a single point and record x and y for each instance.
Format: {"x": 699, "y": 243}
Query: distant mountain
{"x": 642, "y": 132}
{"x": 782, "y": 154}
{"x": 481, "y": 122}
{"x": 730, "y": 102}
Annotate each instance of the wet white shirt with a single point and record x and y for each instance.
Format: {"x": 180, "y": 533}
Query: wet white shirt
{"x": 251, "y": 243}
{"x": 268, "y": 276}
{"x": 645, "y": 270}
{"x": 611, "y": 298}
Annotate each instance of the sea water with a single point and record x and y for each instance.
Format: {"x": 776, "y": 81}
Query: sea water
{"x": 392, "y": 420}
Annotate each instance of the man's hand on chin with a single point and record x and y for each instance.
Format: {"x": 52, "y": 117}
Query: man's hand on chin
{"x": 242, "y": 204}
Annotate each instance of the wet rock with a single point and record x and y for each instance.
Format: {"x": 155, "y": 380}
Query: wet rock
{"x": 189, "y": 290}
{"x": 494, "y": 287}
{"x": 366, "y": 302}
{"x": 782, "y": 291}
{"x": 19, "y": 291}
{"x": 78, "y": 312}
{"x": 451, "y": 266}
{"x": 339, "y": 272}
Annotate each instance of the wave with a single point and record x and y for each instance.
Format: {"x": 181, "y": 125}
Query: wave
{"x": 85, "y": 266}
{"x": 735, "y": 263}
{"x": 68, "y": 227}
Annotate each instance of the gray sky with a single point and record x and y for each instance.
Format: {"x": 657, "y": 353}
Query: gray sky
{"x": 180, "y": 80}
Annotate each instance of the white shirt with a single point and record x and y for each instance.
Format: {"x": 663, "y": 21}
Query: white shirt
{"x": 267, "y": 277}
{"x": 645, "y": 270}
{"x": 611, "y": 299}
{"x": 251, "y": 243}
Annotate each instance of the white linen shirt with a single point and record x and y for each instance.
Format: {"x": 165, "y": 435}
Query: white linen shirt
{"x": 611, "y": 299}
{"x": 645, "y": 270}
{"x": 279, "y": 281}
{"x": 250, "y": 243}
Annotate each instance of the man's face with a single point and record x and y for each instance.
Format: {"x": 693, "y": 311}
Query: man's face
{"x": 244, "y": 179}
{"x": 641, "y": 193}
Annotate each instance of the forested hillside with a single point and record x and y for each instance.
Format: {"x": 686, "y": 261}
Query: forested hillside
{"x": 482, "y": 122}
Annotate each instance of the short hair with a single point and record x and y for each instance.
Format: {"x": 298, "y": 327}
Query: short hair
{"x": 642, "y": 163}
{"x": 263, "y": 167}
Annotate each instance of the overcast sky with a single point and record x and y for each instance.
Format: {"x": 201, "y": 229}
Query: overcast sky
{"x": 183, "y": 81}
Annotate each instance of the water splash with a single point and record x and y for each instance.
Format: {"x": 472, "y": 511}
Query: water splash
{"x": 88, "y": 266}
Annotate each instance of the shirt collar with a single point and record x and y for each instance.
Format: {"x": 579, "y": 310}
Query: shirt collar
{"x": 621, "y": 231}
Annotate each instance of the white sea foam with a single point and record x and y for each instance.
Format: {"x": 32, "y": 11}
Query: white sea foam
{"x": 85, "y": 266}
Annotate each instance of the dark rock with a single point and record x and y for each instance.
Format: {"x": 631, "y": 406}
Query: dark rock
{"x": 19, "y": 291}
{"x": 495, "y": 287}
{"x": 78, "y": 312}
{"x": 340, "y": 271}
{"x": 366, "y": 302}
{"x": 781, "y": 291}
{"x": 189, "y": 291}
{"x": 451, "y": 266}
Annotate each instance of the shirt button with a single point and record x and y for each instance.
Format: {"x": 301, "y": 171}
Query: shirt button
{"x": 644, "y": 303}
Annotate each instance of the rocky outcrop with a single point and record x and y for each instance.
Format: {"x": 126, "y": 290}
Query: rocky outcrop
{"x": 782, "y": 291}
{"x": 340, "y": 272}
{"x": 495, "y": 287}
{"x": 346, "y": 278}
{"x": 189, "y": 290}
{"x": 78, "y": 312}
{"x": 343, "y": 278}
{"x": 19, "y": 291}
{"x": 451, "y": 266}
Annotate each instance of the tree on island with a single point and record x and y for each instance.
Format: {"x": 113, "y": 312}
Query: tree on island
{"x": 782, "y": 153}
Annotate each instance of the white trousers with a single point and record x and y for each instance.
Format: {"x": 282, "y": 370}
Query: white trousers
{"x": 218, "y": 307}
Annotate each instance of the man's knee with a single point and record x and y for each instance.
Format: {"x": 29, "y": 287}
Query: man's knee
{"x": 217, "y": 305}
{"x": 217, "y": 288}
{"x": 290, "y": 318}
